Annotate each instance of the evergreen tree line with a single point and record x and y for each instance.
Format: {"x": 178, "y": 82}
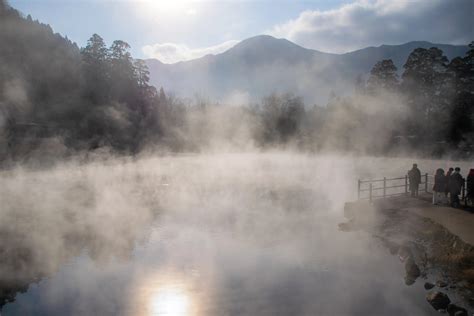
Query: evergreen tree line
{"x": 439, "y": 94}
{"x": 55, "y": 94}
{"x": 59, "y": 99}
{"x": 428, "y": 110}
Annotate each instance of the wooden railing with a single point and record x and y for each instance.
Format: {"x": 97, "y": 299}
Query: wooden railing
{"x": 387, "y": 187}
{"x": 368, "y": 189}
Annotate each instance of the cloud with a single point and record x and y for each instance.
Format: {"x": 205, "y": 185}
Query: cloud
{"x": 373, "y": 22}
{"x": 171, "y": 53}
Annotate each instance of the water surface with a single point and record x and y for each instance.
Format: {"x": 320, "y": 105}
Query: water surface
{"x": 227, "y": 234}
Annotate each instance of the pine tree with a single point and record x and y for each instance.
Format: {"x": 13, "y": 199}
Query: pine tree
{"x": 383, "y": 76}
{"x": 424, "y": 84}
{"x": 462, "y": 111}
{"x": 96, "y": 70}
{"x": 142, "y": 74}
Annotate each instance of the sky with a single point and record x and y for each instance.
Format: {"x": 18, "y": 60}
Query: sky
{"x": 177, "y": 30}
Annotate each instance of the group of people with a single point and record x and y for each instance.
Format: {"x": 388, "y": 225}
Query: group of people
{"x": 447, "y": 187}
{"x": 450, "y": 184}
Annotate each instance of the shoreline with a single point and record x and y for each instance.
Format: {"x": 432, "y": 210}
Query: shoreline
{"x": 435, "y": 243}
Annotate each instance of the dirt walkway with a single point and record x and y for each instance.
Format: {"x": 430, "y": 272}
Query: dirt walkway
{"x": 458, "y": 222}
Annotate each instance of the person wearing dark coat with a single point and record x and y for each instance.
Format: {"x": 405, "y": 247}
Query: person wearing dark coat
{"x": 470, "y": 187}
{"x": 456, "y": 182}
{"x": 414, "y": 176}
{"x": 439, "y": 186}
{"x": 448, "y": 177}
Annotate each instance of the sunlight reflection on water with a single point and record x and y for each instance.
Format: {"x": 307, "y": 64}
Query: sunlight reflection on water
{"x": 165, "y": 294}
{"x": 169, "y": 300}
{"x": 219, "y": 235}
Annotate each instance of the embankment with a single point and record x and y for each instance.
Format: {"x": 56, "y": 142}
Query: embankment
{"x": 435, "y": 243}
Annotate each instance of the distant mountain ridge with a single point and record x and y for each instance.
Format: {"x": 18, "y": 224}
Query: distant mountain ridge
{"x": 263, "y": 64}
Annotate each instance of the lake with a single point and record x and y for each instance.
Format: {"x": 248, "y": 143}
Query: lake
{"x": 210, "y": 234}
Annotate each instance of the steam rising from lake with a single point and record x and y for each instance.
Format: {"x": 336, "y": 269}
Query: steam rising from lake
{"x": 223, "y": 234}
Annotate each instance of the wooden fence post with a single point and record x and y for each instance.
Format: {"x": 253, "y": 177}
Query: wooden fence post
{"x": 406, "y": 184}
{"x": 370, "y": 192}
{"x": 384, "y": 186}
{"x": 426, "y": 182}
{"x": 358, "y": 189}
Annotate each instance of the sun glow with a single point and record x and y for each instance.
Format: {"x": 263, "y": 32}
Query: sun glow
{"x": 184, "y": 7}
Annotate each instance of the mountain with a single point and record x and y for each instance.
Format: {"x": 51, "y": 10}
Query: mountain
{"x": 263, "y": 64}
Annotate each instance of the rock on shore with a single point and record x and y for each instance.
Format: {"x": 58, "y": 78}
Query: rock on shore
{"x": 438, "y": 300}
{"x": 454, "y": 310}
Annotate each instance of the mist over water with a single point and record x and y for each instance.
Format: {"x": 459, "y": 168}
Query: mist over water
{"x": 220, "y": 234}
{"x": 103, "y": 212}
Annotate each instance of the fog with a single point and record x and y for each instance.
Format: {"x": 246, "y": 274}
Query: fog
{"x": 262, "y": 64}
{"x": 120, "y": 198}
{"x": 217, "y": 234}
{"x": 60, "y": 101}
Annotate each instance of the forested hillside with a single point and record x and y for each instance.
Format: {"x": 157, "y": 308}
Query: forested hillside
{"x": 57, "y": 100}
{"x": 72, "y": 98}
{"x": 261, "y": 65}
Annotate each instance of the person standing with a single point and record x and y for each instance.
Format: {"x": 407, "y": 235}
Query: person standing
{"x": 470, "y": 187}
{"x": 448, "y": 178}
{"x": 456, "y": 182}
{"x": 439, "y": 186}
{"x": 414, "y": 175}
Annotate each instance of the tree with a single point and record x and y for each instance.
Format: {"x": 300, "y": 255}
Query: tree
{"x": 383, "y": 76}
{"x": 462, "y": 112}
{"x": 121, "y": 62}
{"x": 96, "y": 71}
{"x": 282, "y": 116}
{"x": 425, "y": 86}
{"x": 119, "y": 51}
{"x": 162, "y": 95}
{"x": 3, "y": 7}
{"x": 125, "y": 87}
{"x": 95, "y": 50}
{"x": 142, "y": 73}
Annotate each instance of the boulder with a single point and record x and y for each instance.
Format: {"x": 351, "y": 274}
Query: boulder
{"x": 441, "y": 283}
{"x": 404, "y": 253}
{"x": 455, "y": 310}
{"x": 409, "y": 281}
{"x": 438, "y": 300}
{"x": 412, "y": 270}
{"x": 429, "y": 286}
